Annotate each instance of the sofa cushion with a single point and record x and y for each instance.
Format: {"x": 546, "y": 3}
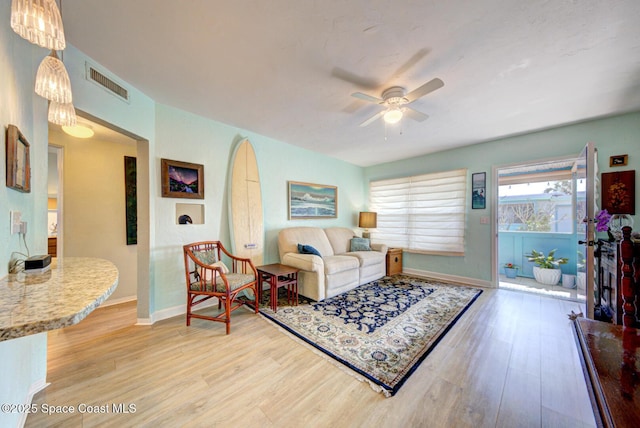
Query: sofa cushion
{"x": 308, "y": 249}
{"x": 289, "y": 238}
{"x": 368, "y": 258}
{"x": 340, "y": 239}
{"x": 336, "y": 264}
{"x": 360, "y": 244}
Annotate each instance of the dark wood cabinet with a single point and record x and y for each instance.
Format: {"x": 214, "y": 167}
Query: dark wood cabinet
{"x": 610, "y": 280}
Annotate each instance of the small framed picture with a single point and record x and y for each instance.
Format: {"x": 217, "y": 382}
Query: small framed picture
{"x": 619, "y": 160}
{"x": 18, "y": 168}
{"x": 478, "y": 190}
{"x": 182, "y": 179}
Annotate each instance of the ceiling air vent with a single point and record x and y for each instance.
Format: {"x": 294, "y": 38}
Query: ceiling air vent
{"x": 114, "y": 88}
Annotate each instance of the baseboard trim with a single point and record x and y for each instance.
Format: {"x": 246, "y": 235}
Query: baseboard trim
{"x": 172, "y": 312}
{"x": 449, "y": 278}
{"x": 35, "y": 387}
{"x": 111, "y": 302}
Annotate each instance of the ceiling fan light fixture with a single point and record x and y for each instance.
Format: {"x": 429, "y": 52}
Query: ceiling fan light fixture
{"x": 52, "y": 80}
{"x": 393, "y": 115}
{"x": 38, "y": 21}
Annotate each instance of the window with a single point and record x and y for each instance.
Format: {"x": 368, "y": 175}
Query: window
{"x": 424, "y": 213}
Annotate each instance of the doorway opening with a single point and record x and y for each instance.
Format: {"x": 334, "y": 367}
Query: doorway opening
{"x": 540, "y": 209}
{"x": 91, "y": 199}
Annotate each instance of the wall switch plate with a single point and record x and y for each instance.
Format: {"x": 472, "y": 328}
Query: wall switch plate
{"x": 16, "y": 220}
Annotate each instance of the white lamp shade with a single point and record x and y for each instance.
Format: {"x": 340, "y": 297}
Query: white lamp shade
{"x": 38, "y": 21}
{"x": 393, "y": 115}
{"x": 63, "y": 114}
{"x": 52, "y": 80}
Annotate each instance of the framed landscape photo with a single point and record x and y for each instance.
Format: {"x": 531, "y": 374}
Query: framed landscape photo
{"x": 182, "y": 179}
{"x": 308, "y": 200}
{"x": 18, "y": 167}
{"x": 478, "y": 190}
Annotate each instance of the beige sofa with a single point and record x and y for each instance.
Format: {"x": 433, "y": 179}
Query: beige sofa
{"x": 339, "y": 269}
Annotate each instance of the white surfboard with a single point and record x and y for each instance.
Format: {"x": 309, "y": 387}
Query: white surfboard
{"x": 245, "y": 204}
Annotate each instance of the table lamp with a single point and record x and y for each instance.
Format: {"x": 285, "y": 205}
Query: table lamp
{"x": 367, "y": 220}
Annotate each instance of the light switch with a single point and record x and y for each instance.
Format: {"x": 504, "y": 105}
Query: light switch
{"x": 16, "y": 220}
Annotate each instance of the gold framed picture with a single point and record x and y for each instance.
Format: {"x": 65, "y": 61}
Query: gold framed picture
{"x": 18, "y": 167}
{"x": 619, "y": 160}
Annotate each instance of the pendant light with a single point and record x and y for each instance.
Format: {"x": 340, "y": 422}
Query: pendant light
{"x": 38, "y": 21}
{"x": 63, "y": 114}
{"x": 52, "y": 80}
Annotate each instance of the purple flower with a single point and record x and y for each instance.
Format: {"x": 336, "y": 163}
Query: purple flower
{"x": 603, "y": 218}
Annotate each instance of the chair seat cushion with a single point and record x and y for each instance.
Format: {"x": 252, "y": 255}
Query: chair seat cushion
{"x": 236, "y": 280}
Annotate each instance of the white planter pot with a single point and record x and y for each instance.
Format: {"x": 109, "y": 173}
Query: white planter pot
{"x": 581, "y": 280}
{"x": 547, "y": 276}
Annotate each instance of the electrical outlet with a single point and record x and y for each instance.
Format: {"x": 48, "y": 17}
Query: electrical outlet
{"x": 23, "y": 227}
{"x": 16, "y": 219}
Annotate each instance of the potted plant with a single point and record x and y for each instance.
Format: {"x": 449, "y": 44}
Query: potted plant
{"x": 510, "y": 270}
{"x": 547, "y": 270}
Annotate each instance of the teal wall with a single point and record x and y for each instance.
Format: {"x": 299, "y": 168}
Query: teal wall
{"x": 23, "y": 364}
{"x": 190, "y": 138}
{"x": 612, "y": 136}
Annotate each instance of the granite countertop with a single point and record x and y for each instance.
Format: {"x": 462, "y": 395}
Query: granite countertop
{"x": 62, "y": 296}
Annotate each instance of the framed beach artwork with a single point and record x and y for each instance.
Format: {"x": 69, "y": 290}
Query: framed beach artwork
{"x": 308, "y": 201}
{"x": 182, "y": 179}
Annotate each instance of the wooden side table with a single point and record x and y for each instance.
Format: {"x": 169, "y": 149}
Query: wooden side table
{"x": 277, "y": 275}
{"x": 394, "y": 261}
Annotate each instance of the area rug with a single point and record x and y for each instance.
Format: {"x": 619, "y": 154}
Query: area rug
{"x": 382, "y": 330}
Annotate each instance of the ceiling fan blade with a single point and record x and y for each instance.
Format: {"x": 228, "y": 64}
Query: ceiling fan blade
{"x": 366, "y": 97}
{"x": 415, "y": 114}
{"x": 373, "y": 118}
{"x": 423, "y": 90}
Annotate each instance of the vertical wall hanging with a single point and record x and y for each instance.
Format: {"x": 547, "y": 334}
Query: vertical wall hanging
{"x": 131, "y": 199}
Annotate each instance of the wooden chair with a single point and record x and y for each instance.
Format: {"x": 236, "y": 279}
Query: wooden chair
{"x": 207, "y": 277}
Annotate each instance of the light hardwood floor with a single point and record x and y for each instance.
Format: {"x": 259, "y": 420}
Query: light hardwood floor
{"x": 510, "y": 361}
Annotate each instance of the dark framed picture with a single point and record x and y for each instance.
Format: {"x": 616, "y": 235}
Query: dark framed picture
{"x": 619, "y": 160}
{"x": 478, "y": 190}
{"x": 182, "y": 179}
{"x": 18, "y": 167}
{"x": 308, "y": 200}
{"x": 619, "y": 192}
{"x": 131, "y": 199}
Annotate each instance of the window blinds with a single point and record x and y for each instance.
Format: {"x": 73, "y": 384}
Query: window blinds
{"x": 424, "y": 213}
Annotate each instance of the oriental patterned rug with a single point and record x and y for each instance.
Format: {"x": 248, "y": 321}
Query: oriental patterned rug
{"x": 382, "y": 330}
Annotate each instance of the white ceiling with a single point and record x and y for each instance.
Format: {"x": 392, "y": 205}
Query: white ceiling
{"x": 286, "y": 68}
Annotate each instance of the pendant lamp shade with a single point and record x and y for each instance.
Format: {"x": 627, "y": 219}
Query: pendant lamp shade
{"x": 63, "y": 114}
{"x": 52, "y": 80}
{"x": 38, "y": 21}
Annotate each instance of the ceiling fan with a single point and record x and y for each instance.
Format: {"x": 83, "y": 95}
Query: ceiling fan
{"x": 397, "y": 102}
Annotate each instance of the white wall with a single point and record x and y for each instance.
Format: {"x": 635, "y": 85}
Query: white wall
{"x": 94, "y": 205}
